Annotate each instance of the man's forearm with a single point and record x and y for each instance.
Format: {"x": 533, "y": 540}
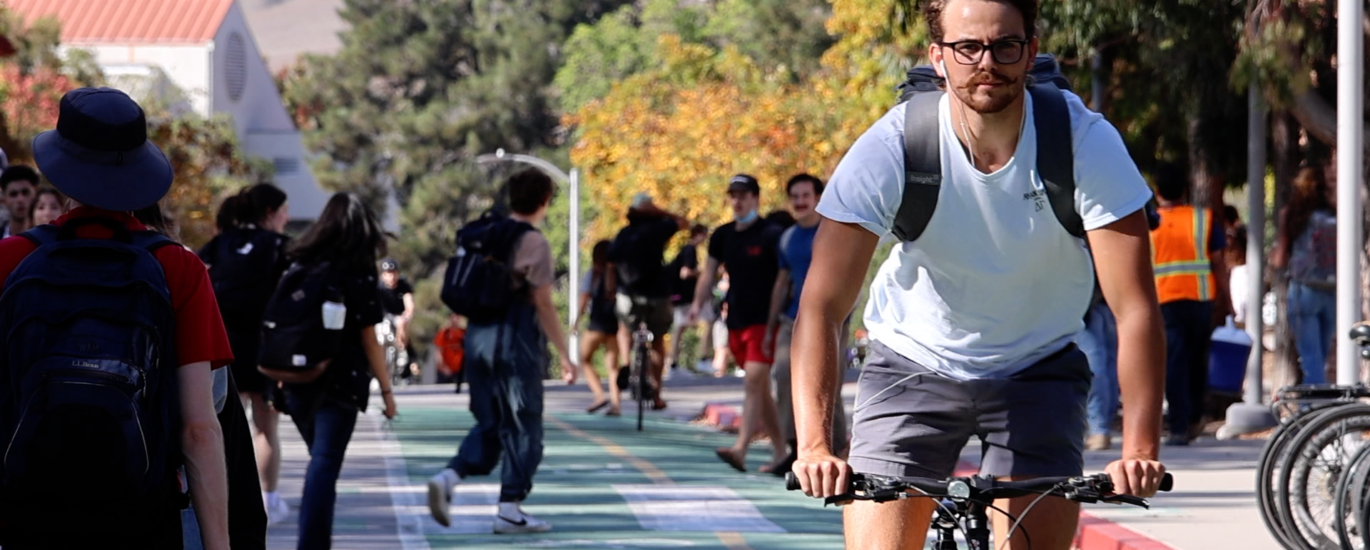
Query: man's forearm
{"x": 547, "y": 319}
{"x": 1141, "y": 378}
{"x": 706, "y": 281}
{"x": 207, "y": 474}
{"x": 813, "y": 376}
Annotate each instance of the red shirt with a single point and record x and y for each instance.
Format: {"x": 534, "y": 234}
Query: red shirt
{"x": 200, "y": 334}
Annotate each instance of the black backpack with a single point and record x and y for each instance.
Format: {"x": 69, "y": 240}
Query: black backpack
{"x": 296, "y": 346}
{"x": 922, "y": 147}
{"x": 244, "y": 266}
{"x": 633, "y": 262}
{"x": 480, "y": 283}
{"x": 91, "y": 400}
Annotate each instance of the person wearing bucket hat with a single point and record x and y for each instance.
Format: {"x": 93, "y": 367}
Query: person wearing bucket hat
{"x": 99, "y": 155}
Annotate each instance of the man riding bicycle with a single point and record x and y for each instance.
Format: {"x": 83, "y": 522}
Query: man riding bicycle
{"x": 643, "y": 291}
{"x": 397, "y": 298}
{"x": 972, "y": 322}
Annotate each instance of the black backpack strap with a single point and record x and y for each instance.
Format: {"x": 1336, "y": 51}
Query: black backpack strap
{"x": 922, "y": 166}
{"x": 1056, "y": 154}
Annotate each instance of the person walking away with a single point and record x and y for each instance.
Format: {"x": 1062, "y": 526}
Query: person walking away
{"x": 1239, "y": 280}
{"x": 451, "y": 344}
{"x": 245, "y": 260}
{"x": 1193, "y": 296}
{"x": 506, "y": 359}
{"x": 746, "y": 248}
{"x": 601, "y": 330}
{"x": 48, "y": 205}
{"x": 397, "y": 297}
{"x": 1307, "y": 249}
{"x": 343, "y": 244}
{"x": 142, "y": 405}
{"x": 795, "y": 255}
{"x": 973, "y": 314}
{"x": 18, "y": 183}
{"x": 642, "y": 292}
{"x": 683, "y": 273}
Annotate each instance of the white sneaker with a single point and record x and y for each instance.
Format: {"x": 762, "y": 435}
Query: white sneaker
{"x": 524, "y": 523}
{"x": 440, "y": 496}
{"x": 278, "y": 513}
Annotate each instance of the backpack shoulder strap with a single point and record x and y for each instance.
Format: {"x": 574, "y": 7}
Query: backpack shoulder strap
{"x": 785, "y": 238}
{"x": 41, "y": 235}
{"x": 922, "y": 166}
{"x": 1056, "y": 154}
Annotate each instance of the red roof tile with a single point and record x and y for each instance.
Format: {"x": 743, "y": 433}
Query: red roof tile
{"x": 128, "y": 21}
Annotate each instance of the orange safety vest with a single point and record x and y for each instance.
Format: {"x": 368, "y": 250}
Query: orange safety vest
{"x": 1179, "y": 255}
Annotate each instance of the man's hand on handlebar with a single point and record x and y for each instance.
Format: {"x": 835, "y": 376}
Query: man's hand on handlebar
{"x": 1136, "y": 477}
{"x": 821, "y": 474}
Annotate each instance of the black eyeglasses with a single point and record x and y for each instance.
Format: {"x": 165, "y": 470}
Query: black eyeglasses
{"x": 1004, "y": 52}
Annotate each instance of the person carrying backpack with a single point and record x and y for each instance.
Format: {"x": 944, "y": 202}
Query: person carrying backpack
{"x": 973, "y": 314}
{"x": 318, "y": 336}
{"x": 643, "y": 292}
{"x": 501, "y": 280}
{"x": 245, "y": 260}
{"x": 110, "y": 402}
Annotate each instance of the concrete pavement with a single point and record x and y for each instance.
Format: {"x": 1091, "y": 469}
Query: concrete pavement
{"x": 605, "y": 485}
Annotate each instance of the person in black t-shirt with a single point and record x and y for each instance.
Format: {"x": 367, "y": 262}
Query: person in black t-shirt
{"x": 747, "y": 249}
{"x": 684, "y": 273}
{"x": 643, "y": 287}
{"x": 397, "y": 298}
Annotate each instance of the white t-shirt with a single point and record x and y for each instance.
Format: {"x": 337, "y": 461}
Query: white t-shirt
{"x": 995, "y": 283}
{"x": 1238, "y": 285}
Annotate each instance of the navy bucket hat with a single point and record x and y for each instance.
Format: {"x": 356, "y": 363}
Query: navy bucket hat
{"x": 99, "y": 154}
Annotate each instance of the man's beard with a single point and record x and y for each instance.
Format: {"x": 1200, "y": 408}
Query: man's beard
{"x": 992, "y": 101}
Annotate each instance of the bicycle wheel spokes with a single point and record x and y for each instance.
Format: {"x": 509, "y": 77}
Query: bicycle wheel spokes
{"x": 1309, "y": 482}
{"x": 1277, "y": 453}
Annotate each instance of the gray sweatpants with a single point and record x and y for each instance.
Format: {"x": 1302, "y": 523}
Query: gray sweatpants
{"x": 780, "y": 374}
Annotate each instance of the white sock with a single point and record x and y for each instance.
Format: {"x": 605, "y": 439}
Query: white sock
{"x": 450, "y": 477}
{"x": 273, "y": 498}
{"x": 510, "y": 510}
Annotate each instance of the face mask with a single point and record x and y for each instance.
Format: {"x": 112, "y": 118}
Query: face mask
{"x": 748, "y": 218}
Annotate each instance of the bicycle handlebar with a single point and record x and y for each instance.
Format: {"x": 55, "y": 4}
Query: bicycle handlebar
{"x": 1093, "y": 488}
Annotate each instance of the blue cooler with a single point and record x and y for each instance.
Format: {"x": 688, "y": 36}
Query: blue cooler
{"x": 1227, "y": 356}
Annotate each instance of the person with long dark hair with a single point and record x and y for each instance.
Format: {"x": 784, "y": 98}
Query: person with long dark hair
{"x": 246, "y": 260}
{"x": 1307, "y": 246}
{"x": 597, "y": 295}
{"x": 349, "y": 239}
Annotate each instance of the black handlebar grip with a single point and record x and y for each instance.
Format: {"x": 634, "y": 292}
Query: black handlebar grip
{"x": 1167, "y": 482}
{"x": 791, "y": 482}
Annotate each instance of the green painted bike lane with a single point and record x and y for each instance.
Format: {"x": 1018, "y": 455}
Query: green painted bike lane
{"x": 585, "y": 457}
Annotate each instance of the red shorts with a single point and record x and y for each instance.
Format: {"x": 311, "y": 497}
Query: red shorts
{"x": 747, "y": 346}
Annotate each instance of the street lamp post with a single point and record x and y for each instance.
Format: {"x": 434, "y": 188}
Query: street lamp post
{"x": 572, "y": 181}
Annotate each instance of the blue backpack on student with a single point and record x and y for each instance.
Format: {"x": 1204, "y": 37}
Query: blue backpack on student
{"x": 91, "y": 400}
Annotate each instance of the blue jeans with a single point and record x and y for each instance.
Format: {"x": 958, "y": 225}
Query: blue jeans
{"x": 1313, "y": 316}
{"x": 326, "y": 427}
{"x": 506, "y": 399}
{"x": 1099, "y": 342}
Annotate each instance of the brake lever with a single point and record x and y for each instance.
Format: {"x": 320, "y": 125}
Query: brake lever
{"x": 1127, "y": 499}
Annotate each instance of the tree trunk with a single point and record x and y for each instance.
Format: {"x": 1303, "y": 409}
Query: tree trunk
{"x": 1284, "y": 136}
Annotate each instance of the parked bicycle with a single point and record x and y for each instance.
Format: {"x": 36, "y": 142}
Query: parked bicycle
{"x": 1311, "y": 478}
{"x": 963, "y": 502}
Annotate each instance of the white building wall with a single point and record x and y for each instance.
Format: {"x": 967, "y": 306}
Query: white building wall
{"x": 186, "y": 65}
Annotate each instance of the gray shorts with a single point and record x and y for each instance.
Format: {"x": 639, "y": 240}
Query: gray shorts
{"x": 909, "y": 421}
{"x": 656, "y": 312}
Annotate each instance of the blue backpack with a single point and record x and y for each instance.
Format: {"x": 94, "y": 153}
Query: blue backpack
{"x": 480, "y": 283}
{"x": 89, "y": 360}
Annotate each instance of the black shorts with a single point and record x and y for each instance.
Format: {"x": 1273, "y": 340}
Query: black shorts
{"x": 909, "y": 421}
{"x": 245, "y": 345}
